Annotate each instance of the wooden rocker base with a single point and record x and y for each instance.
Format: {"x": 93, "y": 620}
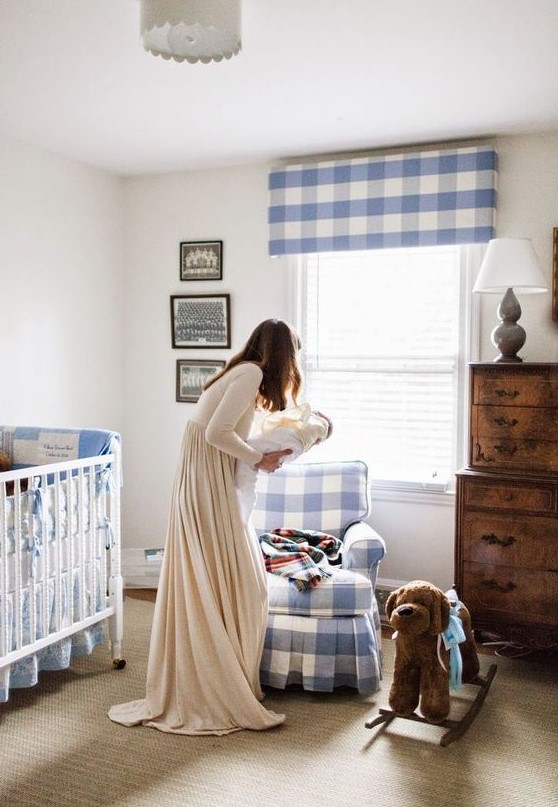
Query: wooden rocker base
{"x": 457, "y": 728}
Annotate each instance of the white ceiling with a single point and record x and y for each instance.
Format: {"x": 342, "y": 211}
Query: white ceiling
{"x": 314, "y": 76}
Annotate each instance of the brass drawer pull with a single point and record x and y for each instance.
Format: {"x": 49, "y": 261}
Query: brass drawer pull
{"x": 491, "y": 538}
{"x": 506, "y": 449}
{"x": 501, "y": 421}
{"x": 507, "y": 497}
{"x": 503, "y": 393}
{"x": 495, "y": 586}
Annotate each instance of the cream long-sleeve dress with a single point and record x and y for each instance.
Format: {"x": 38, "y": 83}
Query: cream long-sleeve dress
{"x": 211, "y": 610}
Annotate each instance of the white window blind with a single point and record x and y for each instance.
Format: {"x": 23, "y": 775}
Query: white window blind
{"x": 383, "y": 356}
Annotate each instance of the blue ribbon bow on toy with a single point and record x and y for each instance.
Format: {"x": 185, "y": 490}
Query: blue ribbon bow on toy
{"x": 452, "y": 637}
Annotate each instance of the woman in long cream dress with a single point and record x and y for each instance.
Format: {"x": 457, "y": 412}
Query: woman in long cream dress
{"x": 211, "y": 610}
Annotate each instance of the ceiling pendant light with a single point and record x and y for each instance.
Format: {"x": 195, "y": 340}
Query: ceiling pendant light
{"x": 191, "y": 30}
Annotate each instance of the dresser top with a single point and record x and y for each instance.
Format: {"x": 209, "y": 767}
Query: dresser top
{"x": 514, "y": 365}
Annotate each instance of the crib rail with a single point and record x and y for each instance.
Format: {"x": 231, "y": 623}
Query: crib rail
{"x": 60, "y": 559}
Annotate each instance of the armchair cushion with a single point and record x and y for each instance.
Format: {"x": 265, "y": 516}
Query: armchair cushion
{"x": 345, "y": 593}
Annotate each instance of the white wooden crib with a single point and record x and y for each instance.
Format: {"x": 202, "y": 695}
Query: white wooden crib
{"x": 60, "y": 568}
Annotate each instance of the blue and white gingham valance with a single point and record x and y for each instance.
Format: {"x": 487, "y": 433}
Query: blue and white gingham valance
{"x": 399, "y": 200}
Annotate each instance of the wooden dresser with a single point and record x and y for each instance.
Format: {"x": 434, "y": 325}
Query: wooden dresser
{"x": 506, "y": 553}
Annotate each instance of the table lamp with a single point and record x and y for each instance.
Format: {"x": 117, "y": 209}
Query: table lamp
{"x": 510, "y": 263}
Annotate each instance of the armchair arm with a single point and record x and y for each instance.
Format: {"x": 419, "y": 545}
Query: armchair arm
{"x": 363, "y": 549}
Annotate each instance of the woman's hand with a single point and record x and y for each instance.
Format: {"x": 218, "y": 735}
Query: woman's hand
{"x": 272, "y": 460}
{"x": 329, "y": 423}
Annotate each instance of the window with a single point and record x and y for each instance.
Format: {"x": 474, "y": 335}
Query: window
{"x": 385, "y": 342}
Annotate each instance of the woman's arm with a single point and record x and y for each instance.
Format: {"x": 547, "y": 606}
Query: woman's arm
{"x": 238, "y": 399}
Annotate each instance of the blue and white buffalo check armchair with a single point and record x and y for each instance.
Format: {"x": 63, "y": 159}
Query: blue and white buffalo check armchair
{"x": 327, "y": 636}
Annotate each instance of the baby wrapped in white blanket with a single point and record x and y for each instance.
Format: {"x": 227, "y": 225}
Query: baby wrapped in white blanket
{"x": 298, "y": 428}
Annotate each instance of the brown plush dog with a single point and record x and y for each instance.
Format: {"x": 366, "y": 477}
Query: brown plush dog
{"x": 420, "y": 612}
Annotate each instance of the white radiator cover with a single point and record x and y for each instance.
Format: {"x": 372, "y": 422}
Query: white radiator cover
{"x": 141, "y": 567}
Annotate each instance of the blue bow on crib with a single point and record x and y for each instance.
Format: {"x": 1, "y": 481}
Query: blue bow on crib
{"x": 105, "y": 481}
{"x": 106, "y": 524}
{"x": 452, "y": 637}
{"x": 105, "y": 484}
{"x": 37, "y": 530}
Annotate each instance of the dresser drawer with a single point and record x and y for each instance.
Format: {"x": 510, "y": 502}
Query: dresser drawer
{"x": 510, "y": 595}
{"x": 524, "y": 422}
{"x": 516, "y": 387}
{"x": 495, "y": 453}
{"x": 508, "y": 495}
{"x": 520, "y": 542}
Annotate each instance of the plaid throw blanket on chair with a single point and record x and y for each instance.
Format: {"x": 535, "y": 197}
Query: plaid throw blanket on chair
{"x": 300, "y": 555}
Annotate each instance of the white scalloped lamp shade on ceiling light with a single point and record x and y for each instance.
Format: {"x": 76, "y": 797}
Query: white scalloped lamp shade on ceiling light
{"x": 191, "y": 30}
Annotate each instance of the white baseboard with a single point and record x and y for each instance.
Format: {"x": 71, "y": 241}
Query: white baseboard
{"x": 385, "y": 584}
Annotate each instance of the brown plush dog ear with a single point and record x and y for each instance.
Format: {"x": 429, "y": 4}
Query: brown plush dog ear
{"x": 439, "y": 612}
{"x": 390, "y": 603}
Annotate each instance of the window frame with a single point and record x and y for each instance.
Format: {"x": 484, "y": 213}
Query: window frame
{"x": 469, "y": 342}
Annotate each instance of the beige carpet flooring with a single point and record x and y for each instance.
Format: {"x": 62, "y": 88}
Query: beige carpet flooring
{"x": 57, "y": 747}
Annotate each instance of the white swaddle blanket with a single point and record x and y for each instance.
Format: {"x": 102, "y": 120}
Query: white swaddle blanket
{"x": 298, "y": 428}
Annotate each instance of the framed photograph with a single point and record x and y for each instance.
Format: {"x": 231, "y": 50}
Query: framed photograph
{"x": 555, "y": 273}
{"x": 201, "y": 260}
{"x": 201, "y": 320}
{"x": 191, "y": 377}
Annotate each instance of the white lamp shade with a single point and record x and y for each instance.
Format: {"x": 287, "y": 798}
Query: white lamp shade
{"x": 191, "y": 30}
{"x": 510, "y": 263}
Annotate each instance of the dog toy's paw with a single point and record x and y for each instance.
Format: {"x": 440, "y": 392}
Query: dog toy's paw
{"x": 403, "y": 707}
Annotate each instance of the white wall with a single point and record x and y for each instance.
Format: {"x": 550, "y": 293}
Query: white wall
{"x": 79, "y": 349}
{"x": 230, "y": 204}
{"x": 527, "y": 208}
{"x": 61, "y": 237}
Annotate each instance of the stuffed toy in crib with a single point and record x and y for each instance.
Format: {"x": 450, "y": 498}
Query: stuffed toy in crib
{"x": 434, "y": 649}
{"x": 5, "y": 462}
{"x": 298, "y": 428}
{"x": 6, "y": 465}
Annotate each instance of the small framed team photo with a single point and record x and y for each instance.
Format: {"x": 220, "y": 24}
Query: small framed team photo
{"x": 191, "y": 377}
{"x": 201, "y": 320}
{"x": 201, "y": 260}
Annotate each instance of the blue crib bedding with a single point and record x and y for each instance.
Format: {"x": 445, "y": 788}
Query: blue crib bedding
{"x": 58, "y": 573}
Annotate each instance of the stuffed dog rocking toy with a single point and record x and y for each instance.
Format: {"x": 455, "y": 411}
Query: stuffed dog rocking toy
{"x": 434, "y": 648}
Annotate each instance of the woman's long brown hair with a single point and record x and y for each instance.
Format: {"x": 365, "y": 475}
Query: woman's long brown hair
{"x": 273, "y": 345}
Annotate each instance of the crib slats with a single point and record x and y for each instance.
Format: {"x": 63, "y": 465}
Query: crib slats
{"x": 59, "y": 558}
{"x": 17, "y": 565}
{"x": 42, "y": 528}
{"x": 4, "y": 570}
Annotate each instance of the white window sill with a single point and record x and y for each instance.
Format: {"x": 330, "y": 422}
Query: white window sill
{"x": 412, "y": 494}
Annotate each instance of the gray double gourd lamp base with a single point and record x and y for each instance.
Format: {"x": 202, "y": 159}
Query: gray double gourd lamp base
{"x": 509, "y": 263}
{"x": 508, "y": 336}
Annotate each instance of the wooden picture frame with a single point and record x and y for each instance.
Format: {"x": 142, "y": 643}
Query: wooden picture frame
{"x": 555, "y": 274}
{"x": 200, "y": 320}
{"x": 201, "y": 260}
{"x": 191, "y": 375}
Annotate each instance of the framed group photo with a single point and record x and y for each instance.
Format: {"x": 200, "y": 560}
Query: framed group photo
{"x": 201, "y": 320}
{"x": 192, "y": 375}
{"x": 201, "y": 260}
